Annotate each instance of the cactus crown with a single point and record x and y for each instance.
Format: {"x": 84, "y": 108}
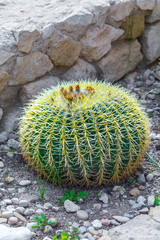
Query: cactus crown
{"x": 87, "y": 133}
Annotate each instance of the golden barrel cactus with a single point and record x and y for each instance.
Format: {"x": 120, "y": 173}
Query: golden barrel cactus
{"x": 86, "y": 133}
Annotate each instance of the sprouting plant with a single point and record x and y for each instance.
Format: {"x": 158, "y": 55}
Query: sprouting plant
{"x": 132, "y": 180}
{"x": 71, "y": 195}
{"x": 156, "y": 201}
{"x": 150, "y": 115}
{"x": 41, "y": 221}
{"x": 69, "y": 235}
{"x": 154, "y": 162}
{"x": 6, "y": 175}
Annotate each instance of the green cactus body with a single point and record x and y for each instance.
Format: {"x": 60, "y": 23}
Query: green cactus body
{"x": 87, "y": 134}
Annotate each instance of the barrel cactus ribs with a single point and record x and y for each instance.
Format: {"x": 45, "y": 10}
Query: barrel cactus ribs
{"x": 90, "y": 133}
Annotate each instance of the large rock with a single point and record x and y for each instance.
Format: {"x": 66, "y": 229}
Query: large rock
{"x": 4, "y": 79}
{"x": 30, "y": 90}
{"x": 150, "y": 42}
{"x": 81, "y": 70}
{"x": 146, "y": 4}
{"x": 121, "y": 59}
{"x": 154, "y": 213}
{"x": 7, "y": 42}
{"x": 25, "y": 40}
{"x": 32, "y": 66}
{"x": 141, "y": 227}
{"x": 121, "y": 10}
{"x": 97, "y": 41}
{"x": 5, "y": 56}
{"x": 155, "y": 14}
{"x": 76, "y": 22}
{"x": 8, "y": 96}
{"x": 19, "y": 233}
{"x": 134, "y": 25}
{"x": 64, "y": 51}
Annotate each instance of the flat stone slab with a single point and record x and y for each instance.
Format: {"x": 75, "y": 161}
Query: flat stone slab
{"x": 142, "y": 227}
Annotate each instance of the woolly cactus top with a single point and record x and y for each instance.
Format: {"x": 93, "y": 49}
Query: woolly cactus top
{"x": 87, "y": 133}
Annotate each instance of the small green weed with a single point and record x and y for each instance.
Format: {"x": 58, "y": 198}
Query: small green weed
{"x": 69, "y": 235}
{"x": 71, "y": 195}
{"x": 150, "y": 115}
{"x": 41, "y": 222}
{"x": 156, "y": 201}
{"x": 132, "y": 180}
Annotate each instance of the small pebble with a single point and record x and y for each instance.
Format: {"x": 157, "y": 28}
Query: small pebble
{"x": 12, "y": 220}
{"x": 104, "y": 198}
{"x": 7, "y": 214}
{"x": 141, "y": 179}
{"x": 83, "y": 215}
{"x": 106, "y": 222}
{"x": 47, "y": 206}
{"x": 144, "y": 210}
{"x": 96, "y": 224}
{"x": 150, "y": 201}
{"x": 97, "y": 206}
{"x": 23, "y": 203}
{"x": 121, "y": 219}
{"x": 134, "y": 191}
{"x": 24, "y": 183}
{"x": 1, "y": 164}
{"x": 20, "y": 210}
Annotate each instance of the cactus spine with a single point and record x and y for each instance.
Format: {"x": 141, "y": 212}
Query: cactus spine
{"x": 89, "y": 133}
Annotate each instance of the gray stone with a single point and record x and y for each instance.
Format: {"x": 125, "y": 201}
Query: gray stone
{"x": 96, "y": 224}
{"x": 47, "y": 206}
{"x": 146, "y": 5}
{"x": 149, "y": 177}
{"x": 83, "y": 215}
{"x": 12, "y": 220}
{"x": 121, "y": 219}
{"x": 150, "y": 200}
{"x": 141, "y": 200}
{"x": 141, "y": 179}
{"x": 136, "y": 206}
{"x": 155, "y": 14}
{"x": 144, "y": 228}
{"x": 1, "y": 164}
{"x": 12, "y": 143}
{"x": 3, "y": 138}
{"x": 24, "y": 182}
{"x": 114, "y": 222}
{"x": 104, "y": 198}
{"x": 18, "y": 233}
{"x": 23, "y": 203}
{"x": 71, "y": 207}
{"x": 144, "y": 210}
{"x": 82, "y": 229}
{"x": 7, "y": 214}
{"x": 97, "y": 206}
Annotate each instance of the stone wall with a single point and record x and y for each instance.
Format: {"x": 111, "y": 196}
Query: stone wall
{"x": 72, "y": 40}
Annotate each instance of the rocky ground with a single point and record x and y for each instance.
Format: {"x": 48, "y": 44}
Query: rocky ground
{"x": 104, "y": 208}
